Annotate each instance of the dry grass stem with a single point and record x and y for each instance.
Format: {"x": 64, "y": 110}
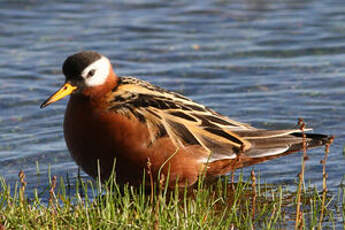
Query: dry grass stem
{"x": 324, "y": 181}
{"x": 52, "y": 196}
{"x": 299, "y": 215}
{"x": 149, "y": 173}
{"x": 253, "y": 193}
{"x": 23, "y": 183}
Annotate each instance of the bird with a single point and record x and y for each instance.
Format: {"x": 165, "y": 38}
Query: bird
{"x": 137, "y": 126}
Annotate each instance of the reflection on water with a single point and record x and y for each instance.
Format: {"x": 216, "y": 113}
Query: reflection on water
{"x": 262, "y": 62}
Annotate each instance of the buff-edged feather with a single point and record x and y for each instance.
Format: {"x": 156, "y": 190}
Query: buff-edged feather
{"x": 188, "y": 123}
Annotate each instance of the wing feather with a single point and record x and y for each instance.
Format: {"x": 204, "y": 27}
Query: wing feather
{"x": 188, "y": 123}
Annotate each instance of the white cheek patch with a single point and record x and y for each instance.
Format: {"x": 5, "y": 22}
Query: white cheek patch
{"x": 101, "y": 68}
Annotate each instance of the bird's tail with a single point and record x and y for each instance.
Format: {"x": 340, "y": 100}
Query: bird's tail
{"x": 268, "y": 145}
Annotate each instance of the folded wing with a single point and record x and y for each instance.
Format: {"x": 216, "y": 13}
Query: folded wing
{"x": 188, "y": 123}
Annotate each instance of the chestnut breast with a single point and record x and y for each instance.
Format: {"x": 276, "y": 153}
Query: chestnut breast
{"x": 92, "y": 133}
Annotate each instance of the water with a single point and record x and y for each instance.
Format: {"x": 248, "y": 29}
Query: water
{"x": 262, "y": 62}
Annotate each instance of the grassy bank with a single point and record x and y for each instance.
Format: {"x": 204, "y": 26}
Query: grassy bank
{"x": 220, "y": 205}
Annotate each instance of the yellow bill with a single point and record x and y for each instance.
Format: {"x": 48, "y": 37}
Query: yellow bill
{"x": 64, "y": 91}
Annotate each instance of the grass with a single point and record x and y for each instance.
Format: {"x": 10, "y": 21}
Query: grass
{"x": 220, "y": 205}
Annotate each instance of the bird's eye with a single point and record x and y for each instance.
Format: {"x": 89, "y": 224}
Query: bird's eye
{"x": 91, "y": 73}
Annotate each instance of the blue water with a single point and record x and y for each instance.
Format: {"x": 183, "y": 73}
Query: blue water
{"x": 262, "y": 62}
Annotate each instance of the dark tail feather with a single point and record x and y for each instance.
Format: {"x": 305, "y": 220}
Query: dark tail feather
{"x": 313, "y": 139}
{"x": 257, "y": 155}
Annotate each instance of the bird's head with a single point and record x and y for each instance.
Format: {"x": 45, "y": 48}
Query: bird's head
{"x": 87, "y": 73}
